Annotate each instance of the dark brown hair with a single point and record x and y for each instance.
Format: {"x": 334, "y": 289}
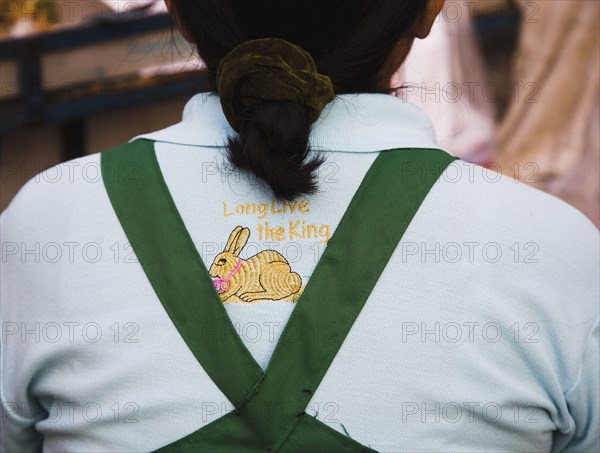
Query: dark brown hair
{"x": 350, "y": 41}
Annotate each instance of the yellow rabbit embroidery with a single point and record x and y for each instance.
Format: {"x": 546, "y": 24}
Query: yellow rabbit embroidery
{"x": 264, "y": 276}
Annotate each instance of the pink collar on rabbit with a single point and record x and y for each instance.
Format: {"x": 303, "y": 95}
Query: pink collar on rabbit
{"x": 222, "y": 284}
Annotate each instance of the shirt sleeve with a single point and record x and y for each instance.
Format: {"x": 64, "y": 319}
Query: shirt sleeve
{"x": 18, "y": 413}
{"x": 583, "y": 399}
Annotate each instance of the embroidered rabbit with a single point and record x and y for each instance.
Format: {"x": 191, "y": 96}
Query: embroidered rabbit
{"x": 264, "y": 276}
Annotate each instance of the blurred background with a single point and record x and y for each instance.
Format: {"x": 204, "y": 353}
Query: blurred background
{"x": 510, "y": 84}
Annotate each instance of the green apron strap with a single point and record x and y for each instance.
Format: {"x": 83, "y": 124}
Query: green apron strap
{"x": 381, "y": 210}
{"x": 167, "y": 254}
{"x": 270, "y": 407}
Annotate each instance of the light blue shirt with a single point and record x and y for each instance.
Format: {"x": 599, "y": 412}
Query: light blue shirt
{"x": 480, "y": 335}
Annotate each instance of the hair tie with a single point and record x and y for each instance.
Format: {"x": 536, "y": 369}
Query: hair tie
{"x": 270, "y": 69}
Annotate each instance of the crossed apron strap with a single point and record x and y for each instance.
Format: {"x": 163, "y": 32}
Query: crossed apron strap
{"x": 269, "y": 406}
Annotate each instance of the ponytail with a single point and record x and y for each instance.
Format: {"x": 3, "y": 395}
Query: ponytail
{"x": 271, "y": 93}
{"x": 270, "y": 89}
{"x": 273, "y": 143}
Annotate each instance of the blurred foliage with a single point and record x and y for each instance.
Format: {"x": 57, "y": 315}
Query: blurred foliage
{"x": 42, "y": 13}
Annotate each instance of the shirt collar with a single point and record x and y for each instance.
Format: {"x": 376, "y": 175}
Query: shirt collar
{"x": 362, "y": 122}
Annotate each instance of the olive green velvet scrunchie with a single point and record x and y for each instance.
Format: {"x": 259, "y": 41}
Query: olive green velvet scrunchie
{"x": 270, "y": 69}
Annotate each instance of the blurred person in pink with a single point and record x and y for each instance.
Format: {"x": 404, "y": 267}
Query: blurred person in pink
{"x": 552, "y": 134}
